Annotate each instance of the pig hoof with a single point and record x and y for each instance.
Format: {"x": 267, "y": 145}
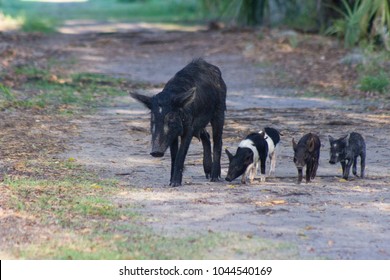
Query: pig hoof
{"x": 174, "y": 185}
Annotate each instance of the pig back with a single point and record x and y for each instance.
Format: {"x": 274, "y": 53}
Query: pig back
{"x": 210, "y": 88}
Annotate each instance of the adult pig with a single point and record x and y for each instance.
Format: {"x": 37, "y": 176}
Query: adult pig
{"x": 193, "y": 98}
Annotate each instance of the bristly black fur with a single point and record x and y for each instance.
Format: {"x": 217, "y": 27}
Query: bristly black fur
{"x": 193, "y": 98}
{"x": 307, "y": 153}
{"x": 273, "y": 133}
{"x": 346, "y": 150}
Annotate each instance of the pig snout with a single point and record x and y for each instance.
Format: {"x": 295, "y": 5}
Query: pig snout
{"x": 158, "y": 150}
{"x": 228, "y": 179}
{"x": 157, "y": 154}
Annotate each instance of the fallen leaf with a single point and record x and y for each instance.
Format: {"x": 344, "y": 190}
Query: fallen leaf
{"x": 278, "y": 202}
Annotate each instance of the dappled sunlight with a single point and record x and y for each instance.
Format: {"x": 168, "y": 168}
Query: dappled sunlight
{"x": 8, "y": 23}
{"x": 92, "y": 26}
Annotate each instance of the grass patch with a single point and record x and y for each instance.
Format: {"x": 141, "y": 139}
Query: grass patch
{"x": 142, "y": 244}
{"x": 44, "y": 90}
{"x": 36, "y": 24}
{"x": 60, "y": 199}
{"x": 46, "y": 16}
{"x": 374, "y": 74}
{"x": 87, "y": 222}
{"x": 378, "y": 83}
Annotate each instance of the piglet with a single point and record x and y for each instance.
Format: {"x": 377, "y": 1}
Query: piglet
{"x": 252, "y": 150}
{"x": 346, "y": 150}
{"x": 307, "y": 152}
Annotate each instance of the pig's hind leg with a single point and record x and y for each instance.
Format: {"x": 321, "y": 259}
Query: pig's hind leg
{"x": 272, "y": 157}
{"x": 362, "y": 163}
{"x": 217, "y": 126}
{"x": 207, "y": 160}
{"x": 354, "y": 169}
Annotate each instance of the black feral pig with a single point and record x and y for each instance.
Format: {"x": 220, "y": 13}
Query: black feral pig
{"x": 252, "y": 150}
{"x": 346, "y": 150}
{"x": 307, "y": 152}
{"x": 193, "y": 98}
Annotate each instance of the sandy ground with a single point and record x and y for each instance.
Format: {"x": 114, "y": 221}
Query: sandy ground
{"x": 328, "y": 218}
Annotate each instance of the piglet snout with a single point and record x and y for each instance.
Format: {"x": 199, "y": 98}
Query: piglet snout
{"x": 157, "y": 154}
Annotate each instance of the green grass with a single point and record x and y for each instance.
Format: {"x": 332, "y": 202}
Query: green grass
{"x": 375, "y": 83}
{"x": 45, "y": 17}
{"x": 87, "y": 221}
{"x": 141, "y": 243}
{"x": 71, "y": 93}
{"x": 374, "y": 74}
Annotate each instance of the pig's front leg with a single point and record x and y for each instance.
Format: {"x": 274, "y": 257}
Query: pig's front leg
{"x": 179, "y": 160}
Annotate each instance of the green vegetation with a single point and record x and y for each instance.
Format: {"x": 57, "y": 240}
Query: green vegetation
{"x": 46, "y": 16}
{"x": 87, "y": 221}
{"x": 45, "y": 90}
{"x": 374, "y": 75}
{"x": 365, "y": 20}
{"x": 378, "y": 83}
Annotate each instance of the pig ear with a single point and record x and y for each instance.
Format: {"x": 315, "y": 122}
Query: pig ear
{"x": 186, "y": 98}
{"x": 229, "y": 154}
{"x": 345, "y": 139}
{"x": 294, "y": 144}
{"x": 146, "y": 100}
{"x": 311, "y": 145}
{"x": 262, "y": 133}
{"x": 331, "y": 139}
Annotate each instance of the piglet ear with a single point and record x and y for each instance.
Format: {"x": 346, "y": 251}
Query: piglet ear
{"x": 345, "y": 139}
{"x": 295, "y": 146}
{"x": 331, "y": 139}
{"x": 230, "y": 156}
{"x": 146, "y": 100}
{"x": 311, "y": 145}
{"x": 184, "y": 99}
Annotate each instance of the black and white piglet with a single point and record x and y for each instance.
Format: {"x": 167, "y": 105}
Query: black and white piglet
{"x": 251, "y": 151}
{"x": 346, "y": 150}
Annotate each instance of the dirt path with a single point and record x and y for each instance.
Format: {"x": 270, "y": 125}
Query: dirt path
{"x": 328, "y": 218}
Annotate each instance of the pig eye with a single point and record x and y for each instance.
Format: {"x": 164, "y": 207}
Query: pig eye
{"x": 170, "y": 118}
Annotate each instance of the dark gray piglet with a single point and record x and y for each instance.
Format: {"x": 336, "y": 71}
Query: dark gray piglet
{"x": 307, "y": 153}
{"x": 346, "y": 150}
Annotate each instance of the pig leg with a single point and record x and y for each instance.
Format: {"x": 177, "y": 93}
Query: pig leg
{"x": 179, "y": 160}
{"x": 362, "y": 163}
{"x": 347, "y": 169}
{"x": 342, "y": 166}
{"x": 354, "y": 169}
{"x": 309, "y": 168}
{"x": 262, "y": 168}
{"x": 173, "y": 148}
{"x": 217, "y": 125}
{"x": 314, "y": 170}
{"x": 252, "y": 172}
{"x": 247, "y": 173}
{"x": 207, "y": 161}
{"x": 272, "y": 157}
{"x": 299, "y": 175}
